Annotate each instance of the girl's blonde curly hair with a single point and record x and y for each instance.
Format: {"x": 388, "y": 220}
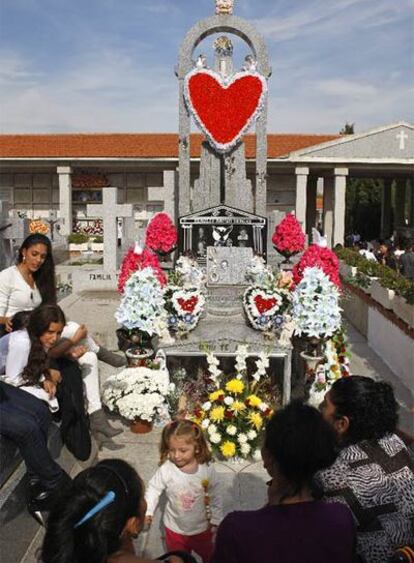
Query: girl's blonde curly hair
{"x": 191, "y": 432}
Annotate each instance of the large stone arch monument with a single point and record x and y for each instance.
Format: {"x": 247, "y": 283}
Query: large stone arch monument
{"x": 222, "y": 177}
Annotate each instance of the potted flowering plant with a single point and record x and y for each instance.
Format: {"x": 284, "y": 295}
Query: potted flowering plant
{"x": 141, "y": 312}
{"x": 320, "y": 257}
{"x": 236, "y": 411}
{"x": 161, "y": 235}
{"x": 316, "y": 312}
{"x": 288, "y": 237}
{"x": 139, "y": 395}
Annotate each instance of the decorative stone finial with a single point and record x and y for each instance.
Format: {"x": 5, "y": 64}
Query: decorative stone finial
{"x": 224, "y": 7}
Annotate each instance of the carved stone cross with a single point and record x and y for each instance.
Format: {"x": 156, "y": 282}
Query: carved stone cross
{"x": 110, "y": 210}
{"x": 402, "y": 136}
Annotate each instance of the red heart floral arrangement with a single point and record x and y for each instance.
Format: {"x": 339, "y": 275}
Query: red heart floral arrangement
{"x": 188, "y": 305}
{"x": 265, "y": 307}
{"x": 224, "y": 110}
{"x": 263, "y": 304}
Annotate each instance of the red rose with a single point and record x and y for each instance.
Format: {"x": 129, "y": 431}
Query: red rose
{"x": 288, "y": 236}
{"x": 323, "y": 258}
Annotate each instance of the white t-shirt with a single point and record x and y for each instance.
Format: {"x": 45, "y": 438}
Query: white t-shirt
{"x": 14, "y": 353}
{"x": 185, "y": 512}
{"x": 16, "y": 294}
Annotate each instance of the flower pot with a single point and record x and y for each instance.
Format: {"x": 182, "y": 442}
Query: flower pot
{"x": 97, "y": 246}
{"x": 347, "y": 271}
{"x": 382, "y": 295}
{"x": 127, "y": 340}
{"x": 140, "y": 426}
{"x": 135, "y": 355}
{"x": 312, "y": 355}
{"x": 403, "y": 310}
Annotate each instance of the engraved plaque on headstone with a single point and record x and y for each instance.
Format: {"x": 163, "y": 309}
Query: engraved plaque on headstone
{"x": 227, "y": 265}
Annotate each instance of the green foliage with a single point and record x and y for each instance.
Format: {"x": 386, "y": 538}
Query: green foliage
{"x": 347, "y": 129}
{"x": 367, "y": 269}
{"x": 98, "y": 239}
{"x": 77, "y": 238}
{"x": 363, "y": 207}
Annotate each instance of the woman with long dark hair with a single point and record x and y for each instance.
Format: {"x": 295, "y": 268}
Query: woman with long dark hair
{"x": 97, "y": 519}
{"x": 374, "y": 472}
{"x": 293, "y": 526}
{"x": 30, "y": 282}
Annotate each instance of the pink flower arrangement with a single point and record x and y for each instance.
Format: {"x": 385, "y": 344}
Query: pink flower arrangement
{"x": 134, "y": 261}
{"x": 161, "y": 234}
{"x": 322, "y": 258}
{"x": 288, "y": 237}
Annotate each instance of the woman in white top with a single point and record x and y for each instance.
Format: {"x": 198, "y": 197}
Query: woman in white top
{"x": 31, "y": 282}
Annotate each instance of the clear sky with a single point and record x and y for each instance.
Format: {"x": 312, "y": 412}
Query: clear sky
{"x": 108, "y": 65}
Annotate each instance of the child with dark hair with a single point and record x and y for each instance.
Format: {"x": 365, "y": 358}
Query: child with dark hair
{"x": 374, "y": 472}
{"x": 98, "y": 518}
{"x": 192, "y": 488}
{"x": 293, "y": 526}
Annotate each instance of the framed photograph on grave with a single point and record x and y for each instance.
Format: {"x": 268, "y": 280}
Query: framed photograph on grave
{"x": 221, "y": 226}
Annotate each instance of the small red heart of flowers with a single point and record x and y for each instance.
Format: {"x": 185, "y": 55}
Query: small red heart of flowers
{"x": 223, "y": 110}
{"x": 188, "y": 305}
{"x": 264, "y": 305}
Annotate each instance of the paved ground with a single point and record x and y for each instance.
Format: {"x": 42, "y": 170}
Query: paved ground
{"x": 244, "y": 484}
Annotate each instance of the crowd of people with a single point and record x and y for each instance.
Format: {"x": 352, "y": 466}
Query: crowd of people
{"x": 341, "y": 482}
{"x": 397, "y": 255}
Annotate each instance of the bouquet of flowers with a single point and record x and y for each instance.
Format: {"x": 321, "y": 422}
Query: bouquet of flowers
{"x": 138, "y": 393}
{"x": 161, "y": 234}
{"x": 288, "y": 238}
{"x": 137, "y": 258}
{"x": 189, "y": 273}
{"x": 335, "y": 365}
{"x": 323, "y": 258}
{"x": 234, "y": 414}
{"x": 315, "y": 305}
{"x": 37, "y": 226}
{"x": 265, "y": 306}
{"x": 142, "y": 306}
{"x": 184, "y": 306}
{"x": 258, "y": 272}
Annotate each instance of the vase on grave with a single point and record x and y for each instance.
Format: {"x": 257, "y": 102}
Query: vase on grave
{"x": 133, "y": 338}
{"x": 141, "y": 426}
{"x": 136, "y": 356}
{"x": 312, "y": 355}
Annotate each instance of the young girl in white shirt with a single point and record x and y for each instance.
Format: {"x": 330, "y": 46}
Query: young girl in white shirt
{"x": 192, "y": 488}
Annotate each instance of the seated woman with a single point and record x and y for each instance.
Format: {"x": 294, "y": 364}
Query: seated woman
{"x": 98, "y": 518}
{"x": 31, "y": 282}
{"x": 25, "y": 362}
{"x": 373, "y": 473}
{"x": 293, "y": 526}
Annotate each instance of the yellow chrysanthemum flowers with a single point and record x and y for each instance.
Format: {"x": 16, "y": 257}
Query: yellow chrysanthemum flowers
{"x": 217, "y": 414}
{"x": 237, "y": 407}
{"x": 216, "y": 394}
{"x": 255, "y": 419}
{"x": 235, "y": 386}
{"x": 254, "y": 400}
{"x": 228, "y": 449}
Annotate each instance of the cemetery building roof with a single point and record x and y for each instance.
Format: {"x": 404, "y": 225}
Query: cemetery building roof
{"x": 136, "y": 145}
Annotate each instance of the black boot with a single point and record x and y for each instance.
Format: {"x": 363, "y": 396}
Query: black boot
{"x": 41, "y": 499}
{"x": 111, "y": 358}
{"x": 99, "y": 423}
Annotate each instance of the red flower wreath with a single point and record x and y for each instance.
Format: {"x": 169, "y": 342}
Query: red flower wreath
{"x": 322, "y": 258}
{"x": 138, "y": 261}
{"x": 288, "y": 237}
{"x": 161, "y": 234}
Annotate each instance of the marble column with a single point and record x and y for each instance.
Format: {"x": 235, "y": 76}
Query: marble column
{"x": 65, "y": 198}
{"x": 311, "y": 205}
{"x": 386, "y": 209}
{"x": 302, "y": 173}
{"x": 328, "y": 191}
{"x": 411, "y": 184}
{"x": 339, "y": 206}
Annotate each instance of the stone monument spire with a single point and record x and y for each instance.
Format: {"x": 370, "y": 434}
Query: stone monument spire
{"x": 222, "y": 178}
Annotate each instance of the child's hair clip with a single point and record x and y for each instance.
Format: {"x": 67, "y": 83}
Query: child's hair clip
{"x": 100, "y": 505}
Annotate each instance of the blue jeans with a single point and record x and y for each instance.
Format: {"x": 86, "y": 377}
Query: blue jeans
{"x": 25, "y": 420}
